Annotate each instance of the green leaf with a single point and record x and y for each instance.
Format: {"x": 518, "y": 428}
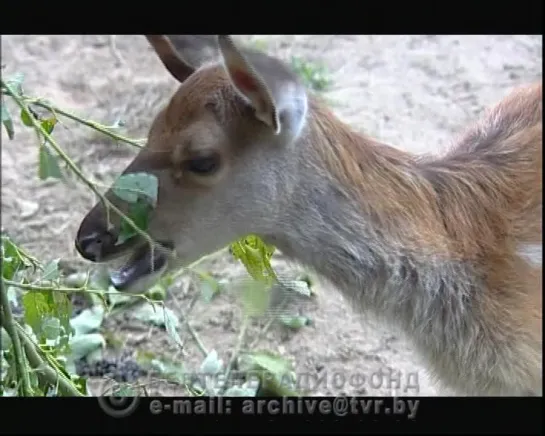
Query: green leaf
{"x": 157, "y": 292}
{"x": 149, "y": 313}
{"x": 51, "y": 270}
{"x": 171, "y": 325}
{"x": 294, "y": 321}
{"x": 51, "y": 328}
{"x": 172, "y": 371}
{"x": 117, "y": 298}
{"x": 26, "y": 118}
{"x": 134, "y": 186}
{"x": 10, "y": 265}
{"x": 255, "y": 297}
{"x": 160, "y": 316}
{"x": 41, "y": 305}
{"x": 211, "y": 365}
{"x": 88, "y": 320}
{"x": 25, "y": 258}
{"x": 14, "y": 258}
{"x": 139, "y": 213}
{"x": 62, "y": 309}
{"x": 300, "y": 286}
{"x": 36, "y": 306}
{"x": 255, "y": 255}
{"x": 48, "y": 165}
{"x": 270, "y": 362}
{"x": 84, "y": 344}
{"x": 157, "y": 315}
{"x": 210, "y": 287}
{"x": 6, "y": 120}
{"x": 274, "y": 371}
{"x": 308, "y": 280}
{"x": 48, "y": 125}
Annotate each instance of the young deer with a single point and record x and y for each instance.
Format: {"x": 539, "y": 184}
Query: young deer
{"x": 446, "y": 248}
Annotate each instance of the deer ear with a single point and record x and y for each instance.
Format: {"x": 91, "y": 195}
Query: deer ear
{"x": 195, "y": 49}
{"x": 171, "y": 59}
{"x": 249, "y": 83}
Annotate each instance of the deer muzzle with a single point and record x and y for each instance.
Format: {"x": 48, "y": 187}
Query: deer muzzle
{"x": 96, "y": 241}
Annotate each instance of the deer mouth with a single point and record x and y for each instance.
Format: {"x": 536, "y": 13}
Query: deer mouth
{"x": 145, "y": 262}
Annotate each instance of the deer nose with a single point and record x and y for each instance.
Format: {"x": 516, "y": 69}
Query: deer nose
{"x": 93, "y": 246}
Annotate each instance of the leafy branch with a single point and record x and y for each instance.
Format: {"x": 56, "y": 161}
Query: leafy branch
{"x": 44, "y": 129}
{"x": 49, "y": 375}
{"x": 10, "y": 325}
{"x": 28, "y": 362}
{"x": 101, "y": 128}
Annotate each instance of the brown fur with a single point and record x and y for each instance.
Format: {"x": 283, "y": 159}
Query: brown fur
{"x": 381, "y": 178}
{"x": 464, "y": 218}
{"x": 478, "y": 202}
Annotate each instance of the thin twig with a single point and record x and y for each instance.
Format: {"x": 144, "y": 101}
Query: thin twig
{"x": 185, "y": 315}
{"x": 236, "y": 351}
{"x": 40, "y": 130}
{"x": 55, "y": 110}
{"x": 43, "y": 370}
{"x": 9, "y": 323}
{"x": 38, "y": 288}
{"x": 267, "y": 326}
{"x": 197, "y": 339}
{"x": 89, "y": 123}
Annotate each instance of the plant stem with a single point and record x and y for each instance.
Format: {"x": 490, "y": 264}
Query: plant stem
{"x": 236, "y": 351}
{"x": 269, "y": 323}
{"x": 8, "y": 323}
{"x": 89, "y": 123}
{"x": 42, "y": 132}
{"x": 38, "y": 288}
{"x": 190, "y": 328}
{"x": 197, "y": 339}
{"x": 44, "y": 371}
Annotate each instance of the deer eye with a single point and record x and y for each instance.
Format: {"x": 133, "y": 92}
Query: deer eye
{"x": 203, "y": 165}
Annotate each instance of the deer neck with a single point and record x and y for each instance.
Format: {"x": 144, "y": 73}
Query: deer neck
{"x": 364, "y": 216}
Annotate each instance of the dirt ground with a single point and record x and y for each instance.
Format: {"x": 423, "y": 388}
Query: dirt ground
{"x": 414, "y": 92}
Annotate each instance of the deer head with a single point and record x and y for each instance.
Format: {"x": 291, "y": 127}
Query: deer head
{"x": 224, "y": 153}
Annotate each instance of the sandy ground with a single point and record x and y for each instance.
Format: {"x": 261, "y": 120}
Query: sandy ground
{"x": 411, "y": 91}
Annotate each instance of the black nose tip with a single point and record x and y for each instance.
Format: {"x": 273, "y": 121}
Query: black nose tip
{"x": 93, "y": 246}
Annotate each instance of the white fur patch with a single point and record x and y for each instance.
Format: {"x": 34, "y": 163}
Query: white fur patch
{"x": 533, "y": 253}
